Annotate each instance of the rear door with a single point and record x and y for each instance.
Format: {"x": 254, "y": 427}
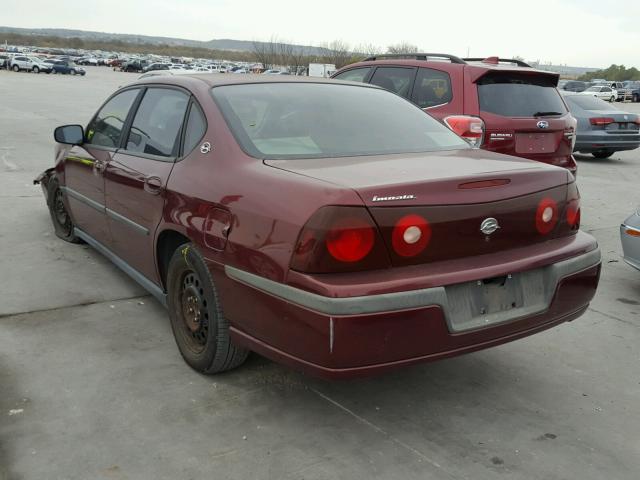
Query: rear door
{"x": 524, "y": 115}
{"x": 84, "y": 165}
{"x": 137, "y": 176}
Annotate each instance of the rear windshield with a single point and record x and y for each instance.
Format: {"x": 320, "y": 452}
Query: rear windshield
{"x": 316, "y": 120}
{"x": 587, "y": 102}
{"x": 512, "y": 95}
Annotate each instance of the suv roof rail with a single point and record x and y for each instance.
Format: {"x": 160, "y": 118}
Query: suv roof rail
{"x": 497, "y": 60}
{"x": 415, "y": 56}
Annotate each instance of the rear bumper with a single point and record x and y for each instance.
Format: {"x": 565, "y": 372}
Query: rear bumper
{"x": 606, "y": 141}
{"x": 341, "y": 337}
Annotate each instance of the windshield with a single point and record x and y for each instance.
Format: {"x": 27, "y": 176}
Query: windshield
{"x": 314, "y": 120}
{"x": 514, "y": 95}
{"x": 586, "y": 102}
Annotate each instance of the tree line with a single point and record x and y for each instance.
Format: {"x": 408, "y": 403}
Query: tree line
{"x": 615, "y": 73}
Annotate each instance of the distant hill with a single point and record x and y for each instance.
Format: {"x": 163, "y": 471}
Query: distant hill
{"x": 216, "y": 44}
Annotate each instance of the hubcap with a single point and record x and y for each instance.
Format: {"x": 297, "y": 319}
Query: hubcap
{"x": 61, "y": 212}
{"x": 193, "y": 307}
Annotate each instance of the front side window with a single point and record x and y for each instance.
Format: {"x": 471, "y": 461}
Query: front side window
{"x": 318, "y": 120}
{"x": 432, "y": 88}
{"x": 106, "y": 128}
{"x": 395, "y": 79}
{"x": 156, "y": 127}
{"x": 354, "y": 75}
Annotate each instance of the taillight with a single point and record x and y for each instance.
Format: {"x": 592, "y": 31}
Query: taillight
{"x": 546, "y": 215}
{"x": 468, "y": 127}
{"x": 410, "y": 236}
{"x": 573, "y": 207}
{"x": 339, "y": 239}
{"x": 350, "y": 240}
{"x": 600, "y": 121}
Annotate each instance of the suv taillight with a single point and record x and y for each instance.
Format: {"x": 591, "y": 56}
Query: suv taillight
{"x": 468, "y": 127}
{"x": 339, "y": 239}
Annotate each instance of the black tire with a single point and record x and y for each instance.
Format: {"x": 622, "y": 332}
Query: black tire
{"x": 61, "y": 219}
{"x": 16, "y": 68}
{"x": 602, "y": 154}
{"x": 612, "y": 99}
{"x": 36, "y": 70}
{"x": 197, "y": 319}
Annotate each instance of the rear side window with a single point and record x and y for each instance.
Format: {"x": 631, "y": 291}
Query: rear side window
{"x": 196, "y": 126}
{"x": 106, "y": 128}
{"x": 513, "y": 95}
{"x": 156, "y": 126}
{"x": 432, "y": 88}
{"x": 354, "y": 75}
{"x": 394, "y": 79}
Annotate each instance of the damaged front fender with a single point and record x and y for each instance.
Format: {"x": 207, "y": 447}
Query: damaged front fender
{"x": 43, "y": 181}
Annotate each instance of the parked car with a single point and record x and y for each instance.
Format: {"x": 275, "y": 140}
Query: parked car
{"x": 630, "y": 239}
{"x": 603, "y": 92}
{"x": 499, "y": 105}
{"x": 603, "y": 129}
{"x": 332, "y": 227}
{"x": 156, "y": 66}
{"x": 634, "y": 91}
{"x": 66, "y": 67}
{"x": 31, "y": 64}
{"x": 573, "y": 86}
{"x": 4, "y": 61}
{"x": 134, "y": 66}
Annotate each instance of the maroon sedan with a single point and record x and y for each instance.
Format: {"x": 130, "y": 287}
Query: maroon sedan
{"x": 328, "y": 225}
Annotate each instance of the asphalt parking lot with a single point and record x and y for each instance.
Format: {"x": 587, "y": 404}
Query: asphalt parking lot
{"x": 92, "y": 384}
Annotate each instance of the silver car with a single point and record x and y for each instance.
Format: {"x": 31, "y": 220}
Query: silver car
{"x": 630, "y": 238}
{"x": 602, "y": 128}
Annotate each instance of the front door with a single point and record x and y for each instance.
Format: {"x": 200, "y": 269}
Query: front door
{"x": 84, "y": 166}
{"x": 137, "y": 176}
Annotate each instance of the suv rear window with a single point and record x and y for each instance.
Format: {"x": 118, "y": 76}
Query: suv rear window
{"x": 513, "y": 95}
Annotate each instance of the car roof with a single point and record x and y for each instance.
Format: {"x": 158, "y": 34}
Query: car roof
{"x": 219, "y": 79}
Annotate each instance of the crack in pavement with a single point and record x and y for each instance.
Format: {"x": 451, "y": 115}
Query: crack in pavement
{"x": 613, "y": 317}
{"x": 83, "y": 304}
{"x": 379, "y": 430}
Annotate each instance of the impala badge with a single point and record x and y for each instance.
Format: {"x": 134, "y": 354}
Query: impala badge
{"x": 392, "y": 198}
{"x": 489, "y": 225}
{"x": 543, "y": 124}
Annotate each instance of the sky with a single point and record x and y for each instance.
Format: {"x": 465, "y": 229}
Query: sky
{"x": 588, "y": 33}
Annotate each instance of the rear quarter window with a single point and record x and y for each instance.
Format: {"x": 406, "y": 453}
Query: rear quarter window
{"x": 432, "y": 88}
{"x": 514, "y": 95}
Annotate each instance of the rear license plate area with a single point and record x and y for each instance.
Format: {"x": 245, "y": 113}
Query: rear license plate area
{"x": 495, "y": 300}
{"x": 535, "y": 143}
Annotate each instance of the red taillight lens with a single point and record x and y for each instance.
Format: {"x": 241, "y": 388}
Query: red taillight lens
{"x": 546, "y": 215}
{"x": 468, "y": 127}
{"x": 410, "y": 235}
{"x": 601, "y": 121}
{"x": 573, "y": 207}
{"x": 350, "y": 240}
{"x": 339, "y": 239}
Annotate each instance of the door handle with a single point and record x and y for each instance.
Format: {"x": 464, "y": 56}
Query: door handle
{"x": 153, "y": 185}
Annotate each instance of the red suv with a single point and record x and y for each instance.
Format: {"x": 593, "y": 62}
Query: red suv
{"x": 500, "y": 105}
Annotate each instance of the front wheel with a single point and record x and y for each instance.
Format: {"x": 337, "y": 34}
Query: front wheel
{"x": 612, "y": 99}
{"x": 602, "y": 154}
{"x": 73, "y": 72}
{"x": 36, "y": 70}
{"x": 636, "y": 98}
{"x": 197, "y": 320}
{"x": 16, "y": 68}
{"x": 62, "y": 223}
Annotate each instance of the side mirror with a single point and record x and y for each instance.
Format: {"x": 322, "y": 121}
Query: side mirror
{"x": 69, "y": 134}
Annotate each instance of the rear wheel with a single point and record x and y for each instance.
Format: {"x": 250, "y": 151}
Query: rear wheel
{"x": 602, "y": 154}
{"x": 198, "y": 322}
{"x": 612, "y": 99}
{"x": 60, "y": 217}
{"x": 636, "y": 98}
{"x": 73, "y": 72}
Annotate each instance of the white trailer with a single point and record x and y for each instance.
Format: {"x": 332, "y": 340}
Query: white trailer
{"x": 321, "y": 69}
